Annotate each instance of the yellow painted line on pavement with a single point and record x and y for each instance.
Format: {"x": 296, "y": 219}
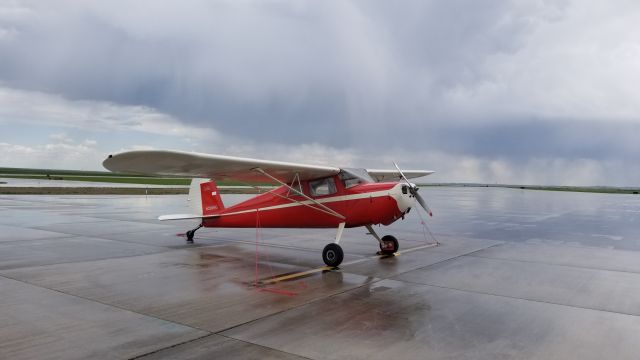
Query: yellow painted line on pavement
{"x": 295, "y": 275}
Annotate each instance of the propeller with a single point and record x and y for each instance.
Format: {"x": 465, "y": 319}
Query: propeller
{"x": 413, "y": 189}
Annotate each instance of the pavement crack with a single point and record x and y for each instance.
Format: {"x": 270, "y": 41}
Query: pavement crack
{"x": 556, "y": 264}
{"x": 171, "y": 346}
{"x": 103, "y": 303}
{"x": 518, "y": 298}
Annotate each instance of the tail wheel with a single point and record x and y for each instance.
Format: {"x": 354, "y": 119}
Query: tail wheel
{"x": 332, "y": 255}
{"x": 191, "y": 233}
{"x": 389, "y": 245}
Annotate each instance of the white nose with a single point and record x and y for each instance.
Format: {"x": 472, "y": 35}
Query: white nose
{"x": 403, "y": 197}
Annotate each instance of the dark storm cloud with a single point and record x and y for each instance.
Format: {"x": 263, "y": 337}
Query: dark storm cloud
{"x": 564, "y": 139}
{"x": 267, "y": 67}
{"x": 520, "y": 140}
{"x": 249, "y": 86}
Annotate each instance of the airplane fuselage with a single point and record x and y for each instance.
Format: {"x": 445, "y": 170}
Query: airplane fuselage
{"x": 360, "y": 204}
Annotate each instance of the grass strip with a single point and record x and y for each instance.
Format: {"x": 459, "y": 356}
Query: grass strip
{"x": 8, "y": 190}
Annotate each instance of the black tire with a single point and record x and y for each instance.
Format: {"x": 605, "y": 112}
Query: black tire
{"x": 332, "y": 255}
{"x": 396, "y": 245}
{"x": 190, "y": 234}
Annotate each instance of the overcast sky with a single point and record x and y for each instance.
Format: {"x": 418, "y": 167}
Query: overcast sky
{"x": 535, "y": 92}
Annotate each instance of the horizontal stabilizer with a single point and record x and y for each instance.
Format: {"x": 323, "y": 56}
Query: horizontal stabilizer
{"x": 184, "y": 217}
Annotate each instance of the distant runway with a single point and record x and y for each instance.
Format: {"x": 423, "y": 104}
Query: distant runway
{"x": 13, "y": 182}
{"x": 518, "y": 274}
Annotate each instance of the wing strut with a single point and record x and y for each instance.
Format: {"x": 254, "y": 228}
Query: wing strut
{"x": 324, "y": 208}
{"x": 295, "y": 178}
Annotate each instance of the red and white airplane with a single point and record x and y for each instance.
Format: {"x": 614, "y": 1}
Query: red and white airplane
{"x": 309, "y": 196}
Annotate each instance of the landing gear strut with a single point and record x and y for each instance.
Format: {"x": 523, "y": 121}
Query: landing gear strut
{"x": 191, "y": 233}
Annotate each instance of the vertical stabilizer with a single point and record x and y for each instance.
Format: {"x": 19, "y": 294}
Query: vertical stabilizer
{"x": 205, "y": 197}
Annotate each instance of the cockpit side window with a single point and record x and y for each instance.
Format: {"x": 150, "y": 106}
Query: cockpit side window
{"x": 320, "y": 187}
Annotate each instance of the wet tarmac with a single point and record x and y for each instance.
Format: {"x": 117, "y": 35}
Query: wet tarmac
{"x": 517, "y": 274}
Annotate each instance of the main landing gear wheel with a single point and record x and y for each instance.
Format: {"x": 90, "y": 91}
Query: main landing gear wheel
{"x": 332, "y": 255}
{"x": 389, "y": 245}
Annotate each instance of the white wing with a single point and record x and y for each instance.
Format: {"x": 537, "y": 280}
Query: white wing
{"x": 217, "y": 167}
{"x": 394, "y": 175}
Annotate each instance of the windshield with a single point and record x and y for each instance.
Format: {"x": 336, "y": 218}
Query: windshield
{"x": 353, "y": 177}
